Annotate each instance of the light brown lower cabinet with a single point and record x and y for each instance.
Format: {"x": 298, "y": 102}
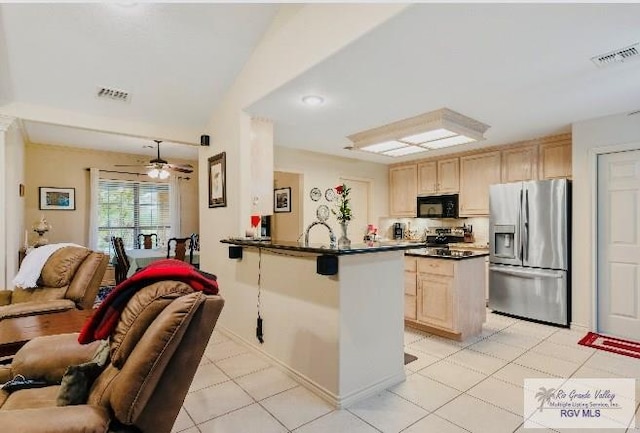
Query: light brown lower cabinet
{"x": 410, "y": 291}
{"x": 449, "y": 296}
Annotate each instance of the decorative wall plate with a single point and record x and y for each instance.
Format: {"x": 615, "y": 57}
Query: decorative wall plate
{"x": 315, "y": 194}
{"x": 322, "y": 212}
{"x": 330, "y": 194}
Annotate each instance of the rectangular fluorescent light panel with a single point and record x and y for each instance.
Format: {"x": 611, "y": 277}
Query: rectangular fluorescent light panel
{"x": 446, "y": 142}
{"x": 433, "y": 130}
{"x": 383, "y": 147}
{"x": 408, "y": 150}
{"x": 423, "y": 137}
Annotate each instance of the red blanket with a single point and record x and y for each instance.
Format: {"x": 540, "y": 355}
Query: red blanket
{"x": 105, "y": 318}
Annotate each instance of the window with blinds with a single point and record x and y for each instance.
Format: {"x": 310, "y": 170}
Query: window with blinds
{"x": 129, "y": 208}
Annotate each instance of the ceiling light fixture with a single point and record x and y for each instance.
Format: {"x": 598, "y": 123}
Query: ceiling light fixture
{"x": 433, "y": 130}
{"x": 313, "y": 100}
{"x": 156, "y": 173}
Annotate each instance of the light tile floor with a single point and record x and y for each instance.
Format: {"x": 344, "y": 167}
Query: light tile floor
{"x": 453, "y": 387}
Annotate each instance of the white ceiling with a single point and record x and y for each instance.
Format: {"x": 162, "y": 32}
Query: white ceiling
{"x": 176, "y": 60}
{"x": 58, "y": 135}
{"x": 523, "y": 69}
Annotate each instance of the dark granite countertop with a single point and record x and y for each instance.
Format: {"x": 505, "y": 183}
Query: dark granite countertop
{"x": 455, "y": 254}
{"x": 356, "y": 248}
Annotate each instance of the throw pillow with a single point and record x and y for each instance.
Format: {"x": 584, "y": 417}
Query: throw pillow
{"x": 78, "y": 379}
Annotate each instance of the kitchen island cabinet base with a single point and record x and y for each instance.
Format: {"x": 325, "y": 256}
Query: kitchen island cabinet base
{"x": 433, "y": 330}
{"x": 448, "y": 294}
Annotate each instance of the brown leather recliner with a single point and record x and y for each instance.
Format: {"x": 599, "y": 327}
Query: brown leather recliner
{"x": 155, "y": 350}
{"x": 70, "y": 279}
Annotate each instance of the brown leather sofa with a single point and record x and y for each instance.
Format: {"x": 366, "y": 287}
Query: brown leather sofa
{"x": 70, "y": 279}
{"x": 154, "y": 349}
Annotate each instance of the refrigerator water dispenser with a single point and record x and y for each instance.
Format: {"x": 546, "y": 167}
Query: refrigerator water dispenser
{"x": 504, "y": 241}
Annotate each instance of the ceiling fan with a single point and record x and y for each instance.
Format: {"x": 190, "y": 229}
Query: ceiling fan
{"x": 159, "y": 168}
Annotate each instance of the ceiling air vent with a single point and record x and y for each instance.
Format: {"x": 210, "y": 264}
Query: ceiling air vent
{"x": 617, "y": 56}
{"x": 111, "y": 93}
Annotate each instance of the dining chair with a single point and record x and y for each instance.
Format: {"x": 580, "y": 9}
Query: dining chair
{"x": 122, "y": 261}
{"x": 195, "y": 240}
{"x": 180, "y": 248}
{"x": 146, "y": 240}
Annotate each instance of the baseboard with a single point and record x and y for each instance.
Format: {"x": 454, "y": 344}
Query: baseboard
{"x": 579, "y": 327}
{"x": 371, "y": 390}
{"x": 321, "y": 391}
{"x": 331, "y": 398}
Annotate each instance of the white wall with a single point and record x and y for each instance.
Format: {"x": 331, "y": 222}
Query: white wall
{"x": 588, "y": 135}
{"x": 11, "y": 204}
{"x": 297, "y": 41}
{"x": 324, "y": 171}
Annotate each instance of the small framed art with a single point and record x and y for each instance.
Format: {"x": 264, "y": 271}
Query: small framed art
{"x": 282, "y": 200}
{"x": 52, "y": 198}
{"x": 217, "y": 180}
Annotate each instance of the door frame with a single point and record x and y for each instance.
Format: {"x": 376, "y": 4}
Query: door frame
{"x": 594, "y": 153}
{"x": 369, "y": 181}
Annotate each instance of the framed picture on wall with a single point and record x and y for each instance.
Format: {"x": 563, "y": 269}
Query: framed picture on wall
{"x": 52, "y": 198}
{"x": 282, "y": 200}
{"x": 217, "y": 180}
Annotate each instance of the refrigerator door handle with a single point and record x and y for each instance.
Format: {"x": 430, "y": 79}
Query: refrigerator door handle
{"x": 525, "y": 237}
{"x": 520, "y": 228}
{"x": 527, "y": 273}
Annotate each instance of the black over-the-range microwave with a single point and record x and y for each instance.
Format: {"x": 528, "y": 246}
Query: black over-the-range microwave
{"x": 438, "y": 206}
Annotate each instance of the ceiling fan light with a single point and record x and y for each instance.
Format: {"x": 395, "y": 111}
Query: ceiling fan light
{"x": 153, "y": 173}
{"x": 164, "y": 174}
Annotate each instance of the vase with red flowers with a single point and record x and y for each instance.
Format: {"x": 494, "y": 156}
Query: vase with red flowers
{"x": 343, "y": 214}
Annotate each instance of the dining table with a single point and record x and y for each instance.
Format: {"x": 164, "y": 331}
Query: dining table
{"x": 139, "y": 258}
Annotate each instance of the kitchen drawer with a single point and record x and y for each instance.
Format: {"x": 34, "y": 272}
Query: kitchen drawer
{"x": 410, "y": 307}
{"x": 410, "y": 283}
{"x": 436, "y": 266}
{"x": 410, "y": 263}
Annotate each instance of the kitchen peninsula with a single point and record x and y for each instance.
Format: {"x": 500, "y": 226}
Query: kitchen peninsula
{"x": 341, "y": 334}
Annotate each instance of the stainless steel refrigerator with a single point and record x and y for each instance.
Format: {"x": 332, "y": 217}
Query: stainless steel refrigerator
{"x": 529, "y": 237}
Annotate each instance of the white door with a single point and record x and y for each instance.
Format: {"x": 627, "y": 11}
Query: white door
{"x": 619, "y": 244}
{"x": 359, "y": 197}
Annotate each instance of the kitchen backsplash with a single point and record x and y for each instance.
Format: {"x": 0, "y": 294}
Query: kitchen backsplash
{"x": 480, "y": 226}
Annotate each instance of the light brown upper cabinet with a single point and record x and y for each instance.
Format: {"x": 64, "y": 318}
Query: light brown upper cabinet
{"x": 403, "y": 190}
{"x": 427, "y": 177}
{"x": 439, "y": 177}
{"x": 519, "y": 163}
{"x": 555, "y": 159}
{"x": 477, "y": 172}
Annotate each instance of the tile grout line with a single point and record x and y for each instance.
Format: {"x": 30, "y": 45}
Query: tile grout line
{"x": 272, "y": 415}
{"x": 422, "y": 338}
{"x": 469, "y": 347}
{"x": 449, "y": 386}
{"x": 565, "y": 378}
{"x": 231, "y": 379}
{"x": 363, "y": 420}
{"x": 438, "y": 416}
